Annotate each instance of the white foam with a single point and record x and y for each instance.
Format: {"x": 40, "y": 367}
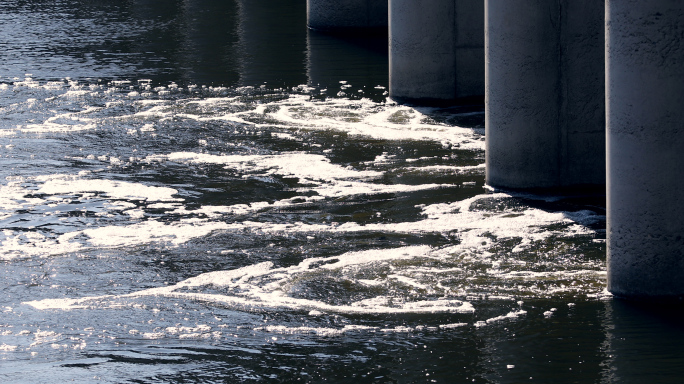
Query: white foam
{"x": 452, "y": 325}
{"x": 509, "y": 316}
{"x": 355, "y": 117}
{"x": 60, "y": 190}
{"x": 8, "y": 348}
{"x": 153, "y": 335}
{"x": 319, "y": 331}
{"x": 450, "y": 169}
{"x": 417, "y": 289}
{"x": 113, "y": 189}
{"x": 150, "y": 231}
{"x": 285, "y": 136}
{"x": 54, "y": 127}
{"x": 329, "y": 180}
{"x": 261, "y": 286}
{"x": 474, "y": 227}
{"x": 351, "y": 188}
{"x": 299, "y": 164}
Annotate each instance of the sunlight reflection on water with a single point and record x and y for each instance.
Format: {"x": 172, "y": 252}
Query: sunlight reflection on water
{"x": 165, "y": 216}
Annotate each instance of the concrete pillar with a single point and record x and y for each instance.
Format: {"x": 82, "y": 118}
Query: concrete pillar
{"x": 645, "y": 117}
{"x": 544, "y": 102}
{"x": 342, "y": 15}
{"x": 436, "y": 50}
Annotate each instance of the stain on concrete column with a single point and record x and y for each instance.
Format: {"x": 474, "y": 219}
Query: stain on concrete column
{"x": 436, "y": 50}
{"x": 345, "y": 15}
{"x": 645, "y": 147}
{"x": 544, "y": 102}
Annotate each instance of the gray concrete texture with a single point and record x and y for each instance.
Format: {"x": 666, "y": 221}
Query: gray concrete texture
{"x": 332, "y": 15}
{"x": 436, "y": 49}
{"x": 645, "y": 147}
{"x": 544, "y": 95}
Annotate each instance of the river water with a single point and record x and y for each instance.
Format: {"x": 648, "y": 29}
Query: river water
{"x": 208, "y": 192}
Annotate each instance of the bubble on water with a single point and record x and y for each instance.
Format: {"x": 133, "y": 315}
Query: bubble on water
{"x": 509, "y": 316}
{"x": 8, "y": 348}
{"x": 299, "y": 164}
{"x": 55, "y": 185}
{"x": 153, "y": 335}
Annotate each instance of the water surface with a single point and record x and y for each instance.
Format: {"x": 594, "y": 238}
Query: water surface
{"x": 208, "y": 192}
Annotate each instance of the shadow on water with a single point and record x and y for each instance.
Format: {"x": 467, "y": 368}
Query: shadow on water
{"x": 360, "y": 62}
{"x": 220, "y": 43}
{"x": 272, "y": 42}
{"x": 643, "y": 342}
{"x": 534, "y": 333}
{"x": 584, "y": 342}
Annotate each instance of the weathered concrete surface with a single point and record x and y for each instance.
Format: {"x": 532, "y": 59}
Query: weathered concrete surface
{"x": 645, "y": 148}
{"x": 436, "y": 49}
{"x": 544, "y": 98}
{"x": 337, "y": 15}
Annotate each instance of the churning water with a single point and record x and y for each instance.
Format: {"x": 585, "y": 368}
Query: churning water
{"x": 207, "y": 192}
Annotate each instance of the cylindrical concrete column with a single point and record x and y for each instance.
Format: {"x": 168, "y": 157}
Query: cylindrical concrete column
{"x": 340, "y": 15}
{"x": 544, "y": 99}
{"x": 645, "y": 133}
{"x": 436, "y": 50}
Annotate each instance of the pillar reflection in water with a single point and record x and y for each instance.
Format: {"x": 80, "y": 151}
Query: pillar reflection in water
{"x": 356, "y": 60}
{"x": 272, "y": 42}
{"x": 642, "y": 343}
{"x": 209, "y": 42}
{"x": 608, "y": 341}
{"x": 337, "y": 15}
{"x": 188, "y": 41}
{"x": 549, "y": 345}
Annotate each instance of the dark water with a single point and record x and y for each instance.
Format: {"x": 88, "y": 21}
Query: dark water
{"x": 208, "y": 192}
